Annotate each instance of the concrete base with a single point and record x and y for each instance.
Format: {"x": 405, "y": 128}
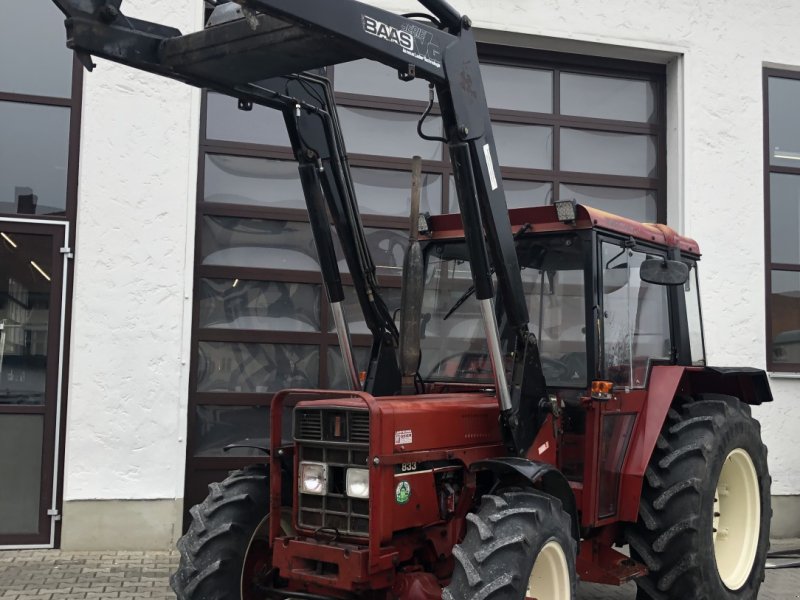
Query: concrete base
{"x": 785, "y": 517}
{"x": 156, "y": 524}
{"x": 121, "y": 524}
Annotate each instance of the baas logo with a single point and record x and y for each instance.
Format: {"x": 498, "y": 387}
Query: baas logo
{"x": 391, "y": 34}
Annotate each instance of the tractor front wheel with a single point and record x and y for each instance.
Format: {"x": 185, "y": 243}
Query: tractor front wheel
{"x": 225, "y": 555}
{"x": 704, "y": 515}
{"x": 518, "y": 546}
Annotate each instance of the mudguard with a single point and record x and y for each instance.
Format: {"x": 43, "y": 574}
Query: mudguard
{"x": 544, "y": 476}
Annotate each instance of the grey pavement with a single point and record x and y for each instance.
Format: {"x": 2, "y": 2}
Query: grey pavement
{"x": 55, "y": 574}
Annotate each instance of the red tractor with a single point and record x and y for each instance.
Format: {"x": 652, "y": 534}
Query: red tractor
{"x": 544, "y": 401}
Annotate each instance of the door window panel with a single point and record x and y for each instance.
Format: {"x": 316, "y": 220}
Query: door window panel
{"x": 34, "y": 154}
{"x": 388, "y": 193}
{"x": 785, "y": 326}
{"x": 370, "y": 78}
{"x": 639, "y": 205}
{"x": 519, "y": 194}
{"x": 259, "y": 305}
{"x": 368, "y": 131}
{"x": 258, "y": 243}
{"x": 262, "y": 125}
{"x": 785, "y": 217}
{"x": 20, "y": 472}
{"x": 218, "y": 426}
{"x": 353, "y": 313}
{"x": 517, "y": 88}
{"x": 608, "y": 153}
{"x": 524, "y": 146}
{"x": 601, "y": 97}
{"x": 40, "y": 64}
{"x": 26, "y": 269}
{"x": 387, "y": 246}
{"x": 784, "y": 126}
{"x": 256, "y": 368}
{"x": 252, "y": 182}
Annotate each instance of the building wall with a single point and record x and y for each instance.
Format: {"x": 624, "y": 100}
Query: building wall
{"x": 132, "y": 302}
{"x": 130, "y": 340}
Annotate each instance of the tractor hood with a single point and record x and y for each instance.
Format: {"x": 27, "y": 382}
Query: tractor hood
{"x": 427, "y": 423}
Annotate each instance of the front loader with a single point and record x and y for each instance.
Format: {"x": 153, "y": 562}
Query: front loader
{"x": 545, "y": 400}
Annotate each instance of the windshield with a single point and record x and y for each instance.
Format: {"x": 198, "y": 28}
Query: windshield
{"x": 453, "y": 340}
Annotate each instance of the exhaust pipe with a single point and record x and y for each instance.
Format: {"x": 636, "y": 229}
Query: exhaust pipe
{"x": 413, "y": 287}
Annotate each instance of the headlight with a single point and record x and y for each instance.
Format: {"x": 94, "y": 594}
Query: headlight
{"x": 358, "y": 483}
{"x": 313, "y": 478}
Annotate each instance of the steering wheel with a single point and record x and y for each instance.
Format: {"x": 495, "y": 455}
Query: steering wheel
{"x": 554, "y": 370}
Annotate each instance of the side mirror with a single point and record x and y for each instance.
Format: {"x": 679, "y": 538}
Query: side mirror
{"x": 664, "y": 272}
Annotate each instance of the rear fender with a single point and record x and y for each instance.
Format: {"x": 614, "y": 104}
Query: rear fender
{"x": 665, "y": 384}
{"x": 751, "y": 386}
{"x": 541, "y": 475}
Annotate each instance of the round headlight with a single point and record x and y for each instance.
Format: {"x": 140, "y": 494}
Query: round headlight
{"x": 358, "y": 483}
{"x": 313, "y": 478}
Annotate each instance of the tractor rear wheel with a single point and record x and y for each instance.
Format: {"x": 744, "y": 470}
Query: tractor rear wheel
{"x": 225, "y": 555}
{"x": 704, "y": 516}
{"x": 518, "y": 545}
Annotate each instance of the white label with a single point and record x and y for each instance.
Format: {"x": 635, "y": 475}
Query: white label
{"x": 544, "y": 447}
{"x": 404, "y": 436}
{"x": 487, "y": 152}
{"x": 396, "y": 36}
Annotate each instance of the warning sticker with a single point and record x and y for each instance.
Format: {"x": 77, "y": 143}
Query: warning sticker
{"x": 402, "y": 493}
{"x": 404, "y": 436}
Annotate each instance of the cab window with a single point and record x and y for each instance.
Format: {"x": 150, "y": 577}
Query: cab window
{"x": 635, "y": 317}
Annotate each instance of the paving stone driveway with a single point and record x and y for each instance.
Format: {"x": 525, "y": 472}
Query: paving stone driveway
{"x": 52, "y": 574}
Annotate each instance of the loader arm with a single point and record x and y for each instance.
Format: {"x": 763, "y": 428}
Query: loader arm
{"x": 255, "y": 59}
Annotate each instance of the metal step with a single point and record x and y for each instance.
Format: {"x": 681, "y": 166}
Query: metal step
{"x": 250, "y": 50}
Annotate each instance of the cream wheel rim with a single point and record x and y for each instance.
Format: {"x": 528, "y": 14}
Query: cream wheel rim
{"x": 737, "y": 519}
{"x": 550, "y": 575}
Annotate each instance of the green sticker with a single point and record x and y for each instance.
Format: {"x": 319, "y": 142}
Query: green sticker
{"x": 403, "y": 492}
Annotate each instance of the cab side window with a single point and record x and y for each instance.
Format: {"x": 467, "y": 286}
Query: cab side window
{"x": 635, "y": 318}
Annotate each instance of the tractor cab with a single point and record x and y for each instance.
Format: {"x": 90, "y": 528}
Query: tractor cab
{"x": 595, "y": 315}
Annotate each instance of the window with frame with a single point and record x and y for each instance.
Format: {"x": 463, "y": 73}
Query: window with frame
{"x": 259, "y": 300}
{"x": 39, "y": 115}
{"x": 636, "y": 328}
{"x": 782, "y": 210}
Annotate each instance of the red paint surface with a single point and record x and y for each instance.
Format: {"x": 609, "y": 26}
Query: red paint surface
{"x": 544, "y": 219}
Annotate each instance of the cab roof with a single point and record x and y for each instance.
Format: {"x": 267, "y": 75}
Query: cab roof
{"x": 544, "y": 219}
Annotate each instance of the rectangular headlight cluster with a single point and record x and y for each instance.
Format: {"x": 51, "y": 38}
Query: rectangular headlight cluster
{"x": 358, "y": 483}
{"x": 313, "y": 479}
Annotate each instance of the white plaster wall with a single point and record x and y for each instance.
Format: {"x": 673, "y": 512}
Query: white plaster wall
{"x": 130, "y": 324}
{"x": 131, "y": 310}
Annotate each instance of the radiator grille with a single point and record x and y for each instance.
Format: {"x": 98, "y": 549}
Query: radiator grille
{"x": 308, "y": 424}
{"x": 359, "y": 427}
{"x": 340, "y": 439}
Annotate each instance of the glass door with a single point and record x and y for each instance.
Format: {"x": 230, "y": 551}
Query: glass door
{"x": 31, "y": 279}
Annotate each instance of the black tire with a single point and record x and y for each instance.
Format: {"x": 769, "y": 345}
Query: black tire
{"x": 214, "y": 549}
{"x": 504, "y": 539}
{"x": 674, "y": 535}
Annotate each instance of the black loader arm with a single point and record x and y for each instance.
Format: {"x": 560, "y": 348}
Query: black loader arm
{"x": 272, "y": 57}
